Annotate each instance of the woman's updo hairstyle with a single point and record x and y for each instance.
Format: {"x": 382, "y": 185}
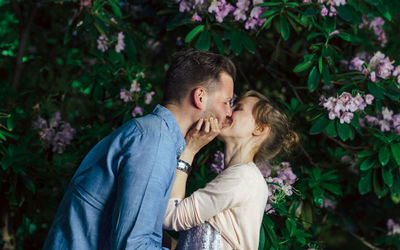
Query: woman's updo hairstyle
{"x": 281, "y": 137}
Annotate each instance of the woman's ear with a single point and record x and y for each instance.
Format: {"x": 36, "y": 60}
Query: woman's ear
{"x": 199, "y": 98}
{"x": 262, "y": 130}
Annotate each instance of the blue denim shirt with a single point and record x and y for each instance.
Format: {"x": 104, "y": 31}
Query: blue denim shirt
{"x": 118, "y": 196}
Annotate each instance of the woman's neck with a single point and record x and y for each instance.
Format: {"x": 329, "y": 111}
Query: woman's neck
{"x": 236, "y": 153}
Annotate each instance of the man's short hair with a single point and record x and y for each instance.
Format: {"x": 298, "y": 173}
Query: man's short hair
{"x": 194, "y": 68}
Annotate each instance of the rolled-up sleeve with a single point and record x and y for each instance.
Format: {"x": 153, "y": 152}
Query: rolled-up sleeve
{"x": 226, "y": 191}
{"x": 143, "y": 184}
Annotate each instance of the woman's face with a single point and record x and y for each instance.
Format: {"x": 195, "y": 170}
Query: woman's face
{"x": 243, "y": 123}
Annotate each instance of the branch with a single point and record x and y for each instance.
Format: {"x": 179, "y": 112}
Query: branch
{"x": 21, "y": 50}
{"x": 308, "y": 157}
{"x": 366, "y": 243}
{"x": 345, "y": 145}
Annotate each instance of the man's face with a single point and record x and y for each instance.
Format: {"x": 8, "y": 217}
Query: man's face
{"x": 218, "y": 104}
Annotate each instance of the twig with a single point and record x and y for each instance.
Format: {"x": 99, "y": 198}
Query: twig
{"x": 21, "y": 50}
{"x": 366, "y": 243}
{"x": 309, "y": 157}
{"x": 345, "y": 145}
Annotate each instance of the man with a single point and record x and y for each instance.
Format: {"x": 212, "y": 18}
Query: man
{"x": 118, "y": 196}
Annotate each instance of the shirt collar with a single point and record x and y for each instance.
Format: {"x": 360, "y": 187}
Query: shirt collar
{"x": 173, "y": 127}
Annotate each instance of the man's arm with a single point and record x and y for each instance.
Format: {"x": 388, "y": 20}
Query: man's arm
{"x": 142, "y": 186}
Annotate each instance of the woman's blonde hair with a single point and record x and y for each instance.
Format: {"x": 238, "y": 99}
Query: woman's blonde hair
{"x": 281, "y": 137}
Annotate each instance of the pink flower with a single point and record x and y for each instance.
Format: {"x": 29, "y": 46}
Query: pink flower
{"x": 335, "y": 32}
{"x": 356, "y": 64}
{"x": 332, "y": 11}
{"x": 346, "y": 117}
{"x": 213, "y": 7}
{"x": 385, "y": 125}
{"x": 371, "y": 120}
{"x": 135, "y": 86}
{"x": 324, "y": 11}
{"x": 149, "y": 97}
{"x": 387, "y": 113}
{"x": 196, "y": 18}
{"x": 240, "y": 14}
{"x": 102, "y": 43}
{"x": 219, "y": 162}
{"x": 125, "y": 95}
{"x": 137, "y": 111}
{"x": 372, "y": 76}
{"x": 369, "y": 98}
{"x": 396, "y": 71}
{"x": 339, "y": 2}
{"x": 120, "y": 44}
{"x": 184, "y": 6}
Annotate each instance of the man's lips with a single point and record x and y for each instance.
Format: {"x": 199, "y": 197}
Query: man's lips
{"x": 227, "y": 123}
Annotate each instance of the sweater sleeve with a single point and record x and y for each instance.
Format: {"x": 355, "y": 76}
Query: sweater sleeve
{"x": 229, "y": 189}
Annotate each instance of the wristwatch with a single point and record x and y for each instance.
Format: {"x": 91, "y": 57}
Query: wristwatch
{"x": 184, "y": 166}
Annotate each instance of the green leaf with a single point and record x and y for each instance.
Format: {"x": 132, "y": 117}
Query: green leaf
{"x": 333, "y": 188}
{"x": 204, "y": 41}
{"x": 326, "y": 76}
{"x": 313, "y": 79}
{"x": 396, "y": 152}
{"x": 378, "y": 184}
{"x": 115, "y": 8}
{"x": 382, "y": 8}
{"x": 302, "y": 66}
{"x": 29, "y": 183}
{"x": 367, "y": 164}
{"x": 318, "y": 195}
{"x": 268, "y": 21}
{"x": 218, "y": 42}
{"x": 365, "y": 153}
{"x": 320, "y": 65}
{"x": 344, "y": 36}
{"x": 269, "y": 4}
{"x": 344, "y": 13}
{"x": 236, "y": 44}
{"x": 262, "y": 238}
{"x": 384, "y": 155}
{"x": 11, "y": 123}
{"x": 268, "y": 13}
{"x": 247, "y": 43}
{"x": 319, "y": 125}
{"x": 376, "y": 90}
{"x": 387, "y": 176}
{"x": 364, "y": 186}
{"x": 344, "y": 130}
{"x": 331, "y": 129}
{"x": 313, "y": 35}
{"x": 193, "y": 33}
{"x": 285, "y": 30}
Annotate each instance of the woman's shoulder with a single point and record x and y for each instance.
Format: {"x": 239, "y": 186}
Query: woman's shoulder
{"x": 247, "y": 171}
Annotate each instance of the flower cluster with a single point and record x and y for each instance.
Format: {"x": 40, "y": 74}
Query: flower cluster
{"x": 325, "y": 4}
{"x": 344, "y": 106}
{"x": 385, "y": 120}
{"x": 55, "y": 133}
{"x": 280, "y": 185}
{"x": 378, "y": 65}
{"x": 103, "y": 43}
{"x": 244, "y": 10}
{"x": 219, "y": 163}
{"x": 127, "y": 95}
{"x": 376, "y": 25}
{"x": 393, "y": 228}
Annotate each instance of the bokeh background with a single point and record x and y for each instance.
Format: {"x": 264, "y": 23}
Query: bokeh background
{"x": 72, "y": 71}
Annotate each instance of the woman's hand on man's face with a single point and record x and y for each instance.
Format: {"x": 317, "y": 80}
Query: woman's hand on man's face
{"x": 200, "y": 135}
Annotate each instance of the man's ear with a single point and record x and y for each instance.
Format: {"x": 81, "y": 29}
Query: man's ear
{"x": 262, "y": 130}
{"x": 199, "y": 98}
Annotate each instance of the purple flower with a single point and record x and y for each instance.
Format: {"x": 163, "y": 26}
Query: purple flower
{"x": 387, "y": 113}
{"x": 332, "y": 11}
{"x": 372, "y": 76}
{"x": 184, "y": 6}
{"x": 137, "y": 111}
{"x": 196, "y": 18}
{"x": 125, "y": 95}
{"x": 219, "y": 162}
{"x": 102, "y": 43}
{"x": 339, "y": 2}
{"x": 149, "y": 97}
{"x": 369, "y": 98}
{"x": 135, "y": 86}
{"x": 324, "y": 11}
{"x": 335, "y": 32}
{"x": 346, "y": 117}
{"x": 385, "y": 125}
{"x": 371, "y": 120}
{"x": 240, "y": 14}
{"x": 120, "y": 44}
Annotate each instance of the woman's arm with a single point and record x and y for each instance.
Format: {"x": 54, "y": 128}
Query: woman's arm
{"x": 199, "y": 136}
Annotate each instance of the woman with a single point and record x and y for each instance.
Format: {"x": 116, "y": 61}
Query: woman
{"x": 227, "y": 213}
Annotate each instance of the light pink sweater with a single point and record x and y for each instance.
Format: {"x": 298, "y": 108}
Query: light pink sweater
{"x": 233, "y": 203}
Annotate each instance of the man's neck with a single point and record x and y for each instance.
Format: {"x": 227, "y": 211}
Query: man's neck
{"x": 182, "y": 116}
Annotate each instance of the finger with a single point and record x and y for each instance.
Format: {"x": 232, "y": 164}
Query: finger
{"x": 216, "y": 126}
{"x": 207, "y": 125}
{"x": 199, "y": 124}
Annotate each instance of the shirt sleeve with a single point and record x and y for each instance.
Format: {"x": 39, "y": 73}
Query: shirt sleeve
{"x": 143, "y": 182}
{"x": 228, "y": 190}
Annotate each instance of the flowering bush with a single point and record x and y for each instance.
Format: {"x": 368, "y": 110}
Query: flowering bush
{"x": 332, "y": 66}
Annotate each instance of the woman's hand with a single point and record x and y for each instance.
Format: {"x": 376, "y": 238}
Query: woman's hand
{"x": 203, "y": 133}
